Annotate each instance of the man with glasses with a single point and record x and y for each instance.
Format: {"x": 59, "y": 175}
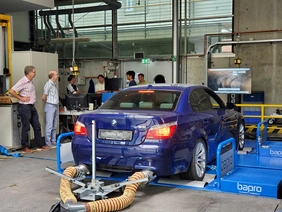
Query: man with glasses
{"x": 24, "y": 91}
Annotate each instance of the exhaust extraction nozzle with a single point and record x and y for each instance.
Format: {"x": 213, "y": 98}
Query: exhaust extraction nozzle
{"x": 150, "y": 175}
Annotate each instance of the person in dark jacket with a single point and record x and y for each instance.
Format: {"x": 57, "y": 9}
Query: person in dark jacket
{"x": 159, "y": 78}
{"x": 130, "y": 75}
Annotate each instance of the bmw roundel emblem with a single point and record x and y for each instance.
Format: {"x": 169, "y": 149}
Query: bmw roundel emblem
{"x": 114, "y": 123}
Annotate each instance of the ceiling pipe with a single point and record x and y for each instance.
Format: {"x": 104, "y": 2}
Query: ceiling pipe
{"x": 112, "y": 5}
{"x": 72, "y": 26}
{"x": 60, "y": 27}
{"x": 209, "y": 54}
{"x": 48, "y": 28}
{"x": 53, "y": 32}
{"x": 242, "y": 42}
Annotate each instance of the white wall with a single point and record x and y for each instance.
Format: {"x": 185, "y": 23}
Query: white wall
{"x": 149, "y": 70}
{"x": 43, "y": 3}
{"x": 44, "y": 62}
{"x": 89, "y": 69}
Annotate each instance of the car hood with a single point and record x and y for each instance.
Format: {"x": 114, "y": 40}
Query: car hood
{"x": 130, "y": 127}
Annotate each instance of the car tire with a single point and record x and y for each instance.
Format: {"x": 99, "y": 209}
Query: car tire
{"x": 240, "y": 141}
{"x": 198, "y": 163}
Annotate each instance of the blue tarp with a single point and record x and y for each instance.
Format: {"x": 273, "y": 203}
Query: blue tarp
{"x": 4, "y": 151}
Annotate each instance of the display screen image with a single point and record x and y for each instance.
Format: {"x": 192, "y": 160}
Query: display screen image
{"x": 113, "y": 84}
{"x": 95, "y": 98}
{"x": 76, "y": 101}
{"x": 230, "y": 80}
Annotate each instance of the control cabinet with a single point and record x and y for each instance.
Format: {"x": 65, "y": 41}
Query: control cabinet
{"x": 10, "y": 131}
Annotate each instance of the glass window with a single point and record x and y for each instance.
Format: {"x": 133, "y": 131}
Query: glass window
{"x": 143, "y": 100}
{"x": 144, "y": 26}
{"x": 200, "y": 100}
{"x": 215, "y": 100}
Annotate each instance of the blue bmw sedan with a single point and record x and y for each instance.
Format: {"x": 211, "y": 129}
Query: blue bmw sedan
{"x": 168, "y": 129}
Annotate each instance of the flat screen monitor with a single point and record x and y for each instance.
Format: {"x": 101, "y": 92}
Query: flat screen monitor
{"x": 95, "y": 98}
{"x": 230, "y": 80}
{"x": 113, "y": 84}
{"x": 76, "y": 101}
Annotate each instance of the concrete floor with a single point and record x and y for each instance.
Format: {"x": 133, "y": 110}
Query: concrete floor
{"x": 26, "y": 186}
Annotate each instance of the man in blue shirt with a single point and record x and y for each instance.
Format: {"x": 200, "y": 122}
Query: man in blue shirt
{"x": 130, "y": 75}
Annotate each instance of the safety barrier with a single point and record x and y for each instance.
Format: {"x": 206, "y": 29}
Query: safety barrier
{"x": 270, "y": 129}
{"x": 63, "y": 154}
{"x": 261, "y": 135}
{"x": 262, "y": 110}
{"x": 225, "y": 162}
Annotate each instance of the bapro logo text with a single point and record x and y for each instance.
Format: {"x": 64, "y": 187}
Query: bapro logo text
{"x": 275, "y": 153}
{"x": 249, "y": 188}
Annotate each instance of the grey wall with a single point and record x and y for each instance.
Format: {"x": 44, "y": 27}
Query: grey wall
{"x": 20, "y": 26}
{"x": 253, "y": 21}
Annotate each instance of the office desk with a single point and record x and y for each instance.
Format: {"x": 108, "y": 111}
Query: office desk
{"x": 95, "y": 98}
{"x": 72, "y": 115}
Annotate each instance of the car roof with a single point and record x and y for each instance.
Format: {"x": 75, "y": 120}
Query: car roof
{"x": 161, "y": 86}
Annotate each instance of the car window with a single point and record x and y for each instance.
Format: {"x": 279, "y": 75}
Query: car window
{"x": 215, "y": 100}
{"x": 200, "y": 100}
{"x": 143, "y": 100}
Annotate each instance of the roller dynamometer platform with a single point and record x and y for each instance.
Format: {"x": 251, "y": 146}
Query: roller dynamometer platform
{"x": 257, "y": 170}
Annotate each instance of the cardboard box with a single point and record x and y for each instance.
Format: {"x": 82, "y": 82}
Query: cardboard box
{"x": 7, "y": 100}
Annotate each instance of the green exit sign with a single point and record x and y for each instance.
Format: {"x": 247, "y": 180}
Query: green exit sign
{"x": 145, "y": 60}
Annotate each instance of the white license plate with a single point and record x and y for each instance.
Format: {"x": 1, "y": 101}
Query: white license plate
{"x": 123, "y": 135}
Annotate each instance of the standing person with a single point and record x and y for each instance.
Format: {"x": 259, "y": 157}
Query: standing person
{"x": 159, "y": 78}
{"x": 100, "y": 86}
{"x": 130, "y": 75}
{"x": 24, "y": 91}
{"x": 51, "y": 99}
{"x": 72, "y": 88}
{"x": 141, "y": 79}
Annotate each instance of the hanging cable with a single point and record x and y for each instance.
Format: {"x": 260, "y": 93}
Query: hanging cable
{"x": 74, "y": 68}
{"x": 73, "y": 38}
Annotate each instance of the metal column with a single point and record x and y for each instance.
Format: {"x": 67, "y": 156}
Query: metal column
{"x": 2, "y": 49}
{"x": 114, "y": 34}
{"x": 175, "y": 46}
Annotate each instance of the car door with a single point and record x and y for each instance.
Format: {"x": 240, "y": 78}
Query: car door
{"x": 211, "y": 118}
{"x": 228, "y": 117}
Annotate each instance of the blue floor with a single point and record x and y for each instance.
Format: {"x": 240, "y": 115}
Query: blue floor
{"x": 254, "y": 175}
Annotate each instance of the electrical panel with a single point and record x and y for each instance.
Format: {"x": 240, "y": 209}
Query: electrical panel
{"x": 11, "y": 133}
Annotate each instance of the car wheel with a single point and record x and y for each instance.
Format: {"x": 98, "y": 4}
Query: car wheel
{"x": 241, "y": 136}
{"x": 198, "y": 164}
{"x": 270, "y": 121}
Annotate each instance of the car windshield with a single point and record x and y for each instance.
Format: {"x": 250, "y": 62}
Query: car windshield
{"x": 143, "y": 100}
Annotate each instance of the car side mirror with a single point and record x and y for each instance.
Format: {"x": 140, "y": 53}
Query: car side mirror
{"x": 230, "y": 105}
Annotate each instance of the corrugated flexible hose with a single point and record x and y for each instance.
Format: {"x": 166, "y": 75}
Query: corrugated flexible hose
{"x": 113, "y": 204}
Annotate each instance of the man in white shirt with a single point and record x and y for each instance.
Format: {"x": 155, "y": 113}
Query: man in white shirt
{"x": 51, "y": 99}
{"x": 100, "y": 86}
{"x": 72, "y": 88}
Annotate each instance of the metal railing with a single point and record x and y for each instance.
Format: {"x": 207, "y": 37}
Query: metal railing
{"x": 262, "y": 110}
{"x": 225, "y": 162}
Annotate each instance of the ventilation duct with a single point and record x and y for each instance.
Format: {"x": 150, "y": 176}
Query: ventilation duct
{"x": 111, "y": 5}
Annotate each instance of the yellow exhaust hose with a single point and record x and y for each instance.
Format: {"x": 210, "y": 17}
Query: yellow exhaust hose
{"x": 113, "y": 204}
